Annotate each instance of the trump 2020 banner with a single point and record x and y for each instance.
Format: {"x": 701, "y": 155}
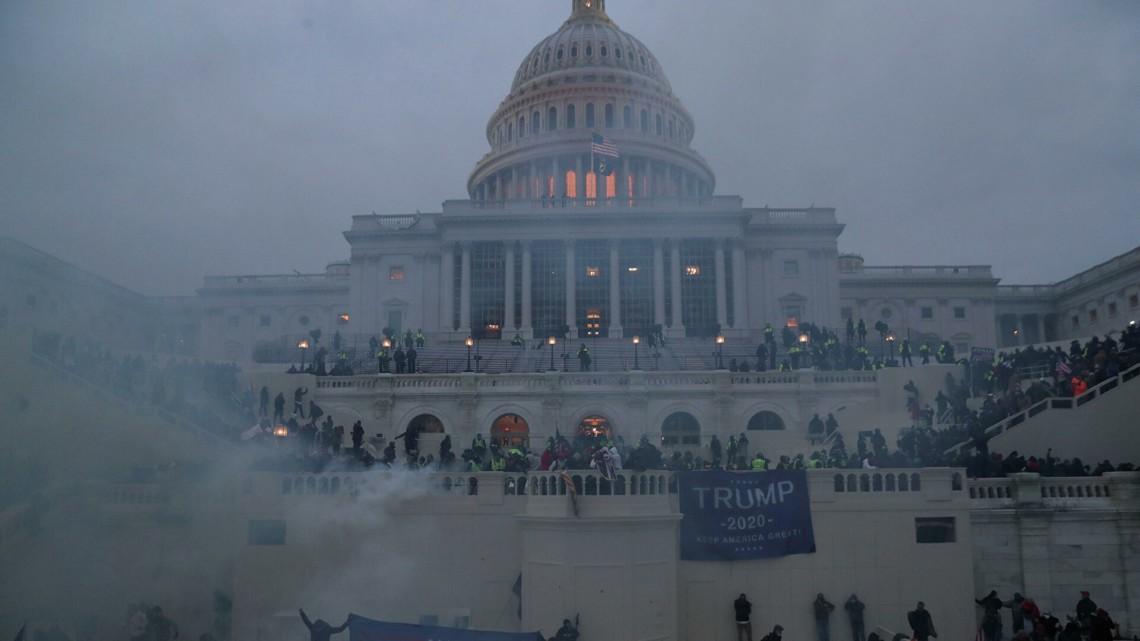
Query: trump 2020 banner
{"x": 732, "y": 516}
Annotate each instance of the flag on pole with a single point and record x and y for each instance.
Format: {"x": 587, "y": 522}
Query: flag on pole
{"x": 603, "y": 154}
{"x": 570, "y": 490}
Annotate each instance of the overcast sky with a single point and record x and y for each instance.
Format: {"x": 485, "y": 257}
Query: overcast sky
{"x": 156, "y": 142}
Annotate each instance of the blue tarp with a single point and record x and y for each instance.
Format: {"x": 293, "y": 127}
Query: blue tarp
{"x": 362, "y": 629}
{"x": 731, "y": 516}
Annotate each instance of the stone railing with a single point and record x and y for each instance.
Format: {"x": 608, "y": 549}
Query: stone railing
{"x": 1064, "y": 403}
{"x": 274, "y": 280}
{"x": 525, "y": 205}
{"x": 1031, "y": 489}
{"x": 589, "y": 380}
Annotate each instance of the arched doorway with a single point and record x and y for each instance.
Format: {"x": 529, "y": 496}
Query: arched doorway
{"x": 426, "y": 424}
{"x": 594, "y": 430}
{"x": 510, "y": 430}
{"x": 765, "y": 421}
{"x": 681, "y": 428}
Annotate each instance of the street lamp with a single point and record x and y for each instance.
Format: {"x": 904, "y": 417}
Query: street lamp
{"x": 386, "y": 344}
{"x": 552, "y": 342}
{"x": 470, "y": 342}
{"x": 303, "y": 345}
{"x": 719, "y": 351}
{"x": 804, "y": 340}
{"x": 891, "y": 341}
{"x": 636, "y": 342}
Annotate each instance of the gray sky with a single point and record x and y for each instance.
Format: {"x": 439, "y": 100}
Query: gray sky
{"x": 157, "y": 142}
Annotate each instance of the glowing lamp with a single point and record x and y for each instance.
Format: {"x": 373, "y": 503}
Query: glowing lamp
{"x": 636, "y": 340}
{"x": 387, "y": 342}
{"x": 804, "y": 338}
{"x": 281, "y": 431}
{"x": 470, "y": 342}
{"x": 551, "y": 341}
{"x": 720, "y": 339}
{"x": 303, "y": 343}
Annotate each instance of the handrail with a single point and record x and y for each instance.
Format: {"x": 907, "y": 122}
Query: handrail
{"x": 1062, "y": 402}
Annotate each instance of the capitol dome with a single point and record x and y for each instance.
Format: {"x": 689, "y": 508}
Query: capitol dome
{"x": 590, "y": 78}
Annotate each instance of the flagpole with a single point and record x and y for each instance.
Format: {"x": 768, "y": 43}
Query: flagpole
{"x": 592, "y": 165}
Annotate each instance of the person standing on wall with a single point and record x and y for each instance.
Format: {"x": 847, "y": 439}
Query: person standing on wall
{"x": 921, "y": 623}
{"x": 823, "y": 609}
{"x": 743, "y": 609}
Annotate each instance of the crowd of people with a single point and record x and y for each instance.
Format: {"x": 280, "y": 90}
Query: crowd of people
{"x": 204, "y": 393}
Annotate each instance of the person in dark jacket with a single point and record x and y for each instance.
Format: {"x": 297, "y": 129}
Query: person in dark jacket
{"x": 775, "y": 634}
{"x": 357, "y": 436}
{"x": 1103, "y": 627}
{"x": 855, "y": 609}
{"x": 743, "y": 609}
{"x": 1017, "y": 614}
{"x": 921, "y": 623}
{"x": 822, "y": 609}
{"x": 299, "y": 401}
{"x": 279, "y": 408}
{"x": 263, "y": 404}
{"x": 1086, "y": 608}
{"x": 320, "y": 630}
{"x": 991, "y": 617}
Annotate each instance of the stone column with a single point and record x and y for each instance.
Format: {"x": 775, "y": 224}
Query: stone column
{"x": 1018, "y": 338}
{"x": 1041, "y": 328}
{"x": 623, "y": 188}
{"x": 531, "y": 179}
{"x": 447, "y": 289}
{"x": 677, "y": 329}
{"x": 515, "y": 192}
{"x": 527, "y": 329}
{"x": 499, "y": 186}
{"x": 580, "y": 181}
{"x": 652, "y": 179}
{"x": 615, "y": 291}
{"x": 509, "y": 294}
{"x": 658, "y": 284}
{"x": 739, "y": 288}
{"x": 559, "y": 179}
{"x": 721, "y": 286}
{"x": 571, "y": 282}
{"x": 465, "y": 291}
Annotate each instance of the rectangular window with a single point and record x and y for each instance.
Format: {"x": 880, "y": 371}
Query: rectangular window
{"x": 396, "y": 273}
{"x": 1092, "y": 316}
{"x": 267, "y": 532}
{"x": 927, "y": 313}
{"x": 1076, "y": 321}
{"x": 1134, "y": 300}
{"x": 396, "y": 322}
{"x": 265, "y": 320}
{"x": 792, "y": 313}
{"x": 959, "y": 313}
{"x": 791, "y": 268}
{"x": 846, "y": 312}
{"x": 934, "y": 530}
{"x": 1112, "y": 310}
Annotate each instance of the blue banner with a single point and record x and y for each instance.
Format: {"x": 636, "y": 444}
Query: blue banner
{"x": 362, "y": 629}
{"x": 732, "y": 516}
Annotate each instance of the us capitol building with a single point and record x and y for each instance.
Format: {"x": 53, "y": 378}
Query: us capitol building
{"x": 550, "y": 246}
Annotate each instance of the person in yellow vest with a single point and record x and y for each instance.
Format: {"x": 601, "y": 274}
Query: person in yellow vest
{"x": 759, "y": 464}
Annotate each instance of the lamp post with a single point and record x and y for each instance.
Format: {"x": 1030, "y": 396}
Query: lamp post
{"x": 804, "y": 340}
{"x": 386, "y": 344}
{"x": 636, "y": 342}
{"x": 303, "y": 345}
{"x": 719, "y": 351}
{"x": 552, "y": 342}
{"x": 470, "y": 342}
{"x": 891, "y": 341}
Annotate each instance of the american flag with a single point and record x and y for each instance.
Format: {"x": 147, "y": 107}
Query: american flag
{"x": 1063, "y": 369}
{"x": 603, "y": 146}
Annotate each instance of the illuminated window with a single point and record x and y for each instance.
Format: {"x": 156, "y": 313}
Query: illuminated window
{"x": 571, "y": 184}
{"x": 792, "y": 313}
{"x": 396, "y": 273}
{"x": 611, "y": 186}
{"x": 342, "y": 319}
{"x": 570, "y": 113}
{"x": 692, "y": 270}
{"x": 591, "y": 185}
{"x": 589, "y": 114}
{"x": 593, "y": 272}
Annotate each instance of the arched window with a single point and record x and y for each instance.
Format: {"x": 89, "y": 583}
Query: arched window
{"x": 510, "y": 430}
{"x": 591, "y": 185}
{"x": 603, "y": 51}
{"x": 617, "y": 52}
{"x": 570, "y": 117}
{"x": 660, "y": 128}
{"x": 510, "y": 131}
{"x": 426, "y": 424}
{"x": 522, "y": 126}
{"x": 765, "y": 421}
{"x": 534, "y": 123}
{"x": 552, "y": 119}
{"x": 595, "y": 429}
{"x": 571, "y": 184}
{"x": 559, "y": 54}
{"x": 627, "y": 117}
{"x": 644, "y": 121}
{"x": 574, "y": 51}
{"x": 681, "y": 428}
{"x": 589, "y": 50}
{"x": 609, "y": 116}
{"x": 589, "y": 114}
